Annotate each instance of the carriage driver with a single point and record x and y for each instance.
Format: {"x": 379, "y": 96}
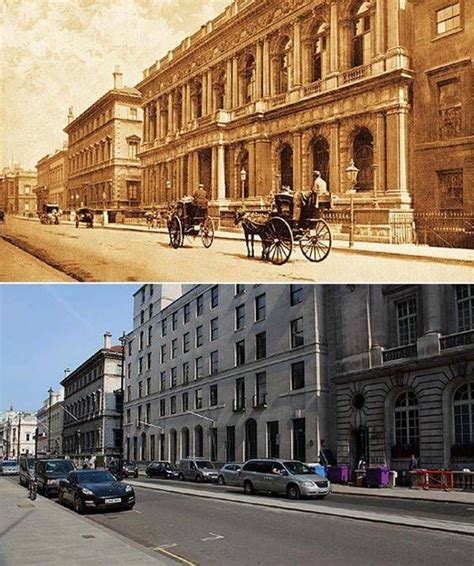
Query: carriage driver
{"x": 301, "y": 197}
{"x": 199, "y": 201}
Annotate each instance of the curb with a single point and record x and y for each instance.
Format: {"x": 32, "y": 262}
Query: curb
{"x": 465, "y": 529}
{"x": 417, "y": 497}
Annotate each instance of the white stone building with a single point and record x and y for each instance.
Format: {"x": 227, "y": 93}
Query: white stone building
{"x": 51, "y": 415}
{"x": 17, "y": 431}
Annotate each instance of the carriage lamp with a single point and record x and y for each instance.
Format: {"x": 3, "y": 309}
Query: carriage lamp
{"x": 243, "y": 178}
{"x": 352, "y": 172}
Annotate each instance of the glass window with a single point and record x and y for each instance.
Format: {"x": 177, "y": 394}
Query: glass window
{"x": 140, "y": 341}
{"x": 239, "y": 402}
{"x": 450, "y": 109}
{"x": 260, "y": 307}
{"x": 148, "y": 413}
{"x": 213, "y": 395}
{"x": 260, "y": 389}
{"x": 199, "y": 305}
{"x": 214, "y": 362}
{"x": 185, "y": 401}
{"x": 214, "y": 297}
{"x": 148, "y": 360}
{"x": 297, "y": 375}
{"x": 173, "y": 405}
{"x": 174, "y": 347}
{"x": 140, "y": 389}
{"x": 239, "y": 289}
{"x": 198, "y": 398}
{"x": 150, "y": 310}
{"x": 261, "y": 345}
{"x": 296, "y": 294}
{"x": 297, "y": 335}
{"x": 186, "y": 372}
{"x": 465, "y": 307}
{"x": 406, "y": 321}
{"x": 240, "y": 353}
{"x": 451, "y": 189}
{"x": 199, "y": 336}
{"x": 448, "y": 19}
{"x": 163, "y": 353}
{"x": 140, "y": 365}
{"x": 164, "y": 329}
{"x": 198, "y": 368}
{"x": 186, "y": 342}
{"x": 186, "y": 313}
{"x": 148, "y": 385}
{"x": 240, "y": 317}
{"x": 162, "y": 407}
{"x": 150, "y": 334}
{"x": 174, "y": 377}
{"x": 214, "y": 329}
{"x": 406, "y": 420}
{"x": 463, "y": 411}
{"x": 162, "y": 381}
{"x": 142, "y": 317}
{"x": 174, "y": 321}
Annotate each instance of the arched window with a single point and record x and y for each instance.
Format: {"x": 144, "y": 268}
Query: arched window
{"x": 406, "y": 426}
{"x": 286, "y": 166}
{"x": 197, "y": 99}
{"x": 363, "y": 151}
{"x": 361, "y": 35}
{"x": 248, "y": 82}
{"x": 463, "y": 412}
{"x": 317, "y": 46}
{"x": 321, "y": 158}
{"x": 185, "y": 443}
{"x": 282, "y": 66}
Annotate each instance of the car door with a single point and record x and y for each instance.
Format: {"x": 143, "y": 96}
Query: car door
{"x": 68, "y": 489}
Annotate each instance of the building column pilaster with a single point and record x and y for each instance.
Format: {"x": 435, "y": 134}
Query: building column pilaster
{"x": 266, "y": 89}
{"x": 235, "y": 83}
{"x": 397, "y": 157}
{"x": 334, "y": 39}
{"x": 297, "y": 172}
{"x": 296, "y": 79}
{"x": 334, "y": 160}
{"x": 379, "y": 186}
{"x": 221, "y": 171}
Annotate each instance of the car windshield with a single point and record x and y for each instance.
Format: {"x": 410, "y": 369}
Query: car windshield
{"x": 204, "y": 465}
{"x": 298, "y": 468}
{"x": 95, "y": 477}
{"x": 169, "y": 466}
{"x": 129, "y": 463}
{"x": 9, "y": 464}
{"x": 59, "y": 467}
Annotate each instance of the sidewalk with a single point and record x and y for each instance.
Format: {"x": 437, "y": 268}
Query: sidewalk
{"x": 419, "y": 252}
{"x": 42, "y": 532}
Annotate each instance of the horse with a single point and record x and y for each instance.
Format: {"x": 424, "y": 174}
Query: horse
{"x": 253, "y": 224}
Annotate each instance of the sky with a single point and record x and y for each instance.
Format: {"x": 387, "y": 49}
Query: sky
{"x": 61, "y": 53}
{"x": 46, "y": 328}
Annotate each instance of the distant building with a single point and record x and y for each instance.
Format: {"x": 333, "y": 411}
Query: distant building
{"x": 92, "y": 403}
{"x": 104, "y": 170}
{"x": 17, "y": 431}
{"x": 52, "y": 180}
{"x": 51, "y": 413}
{"x": 16, "y": 191}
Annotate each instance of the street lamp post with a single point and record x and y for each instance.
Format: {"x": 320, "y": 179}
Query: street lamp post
{"x": 243, "y": 178}
{"x": 50, "y": 391}
{"x": 352, "y": 172}
{"x": 19, "y": 434}
{"x": 168, "y": 191}
{"x": 123, "y": 341}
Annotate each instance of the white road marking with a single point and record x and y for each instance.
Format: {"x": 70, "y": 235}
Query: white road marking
{"x": 135, "y": 511}
{"x": 212, "y": 537}
{"x": 163, "y": 546}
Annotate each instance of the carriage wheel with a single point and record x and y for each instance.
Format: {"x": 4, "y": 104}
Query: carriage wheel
{"x": 175, "y": 230}
{"x": 316, "y": 242}
{"x": 207, "y": 232}
{"x": 278, "y": 241}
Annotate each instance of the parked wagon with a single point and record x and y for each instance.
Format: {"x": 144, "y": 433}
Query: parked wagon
{"x": 50, "y": 214}
{"x": 190, "y": 220}
{"x": 85, "y": 216}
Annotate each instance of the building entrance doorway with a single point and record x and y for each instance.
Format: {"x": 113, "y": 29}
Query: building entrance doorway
{"x": 286, "y": 167}
{"x": 250, "y": 439}
{"x": 299, "y": 439}
{"x": 205, "y": 170}
{"x": 359, "y": 446}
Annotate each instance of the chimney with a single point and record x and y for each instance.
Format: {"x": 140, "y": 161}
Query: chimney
{"x": 70, "y": 115}
{"x": 117, "y": 77}
{"x": 67, "y": 371}
{"x": 107, "y": 340}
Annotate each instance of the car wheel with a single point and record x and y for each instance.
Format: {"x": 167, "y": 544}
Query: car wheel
{"x": 180, "y": 477}
{"x": 221, "y": 480}
{"x": 199, "y": 479}
{"x": 78, "y": 505}
{"x": 248, "y": 488}
{"x": 293, "y": 492}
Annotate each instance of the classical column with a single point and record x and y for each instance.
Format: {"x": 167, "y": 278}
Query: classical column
{"x": 205, "y": 110}
{"x": 213, "y": 188}
{"x": 189, "y": 116}
{"x": 432, "y": 310}
{"x": 252, "y": 172}
{"x": 381, "y": 152}
{"x": 380, "y": 27}
{"x": 170, "y": 114}
{"x": 184, "y": 110}
{"x": 228, "y": 85}
{"x": 334, "y": 39}
{"x": 221, "y": 171}
{"x": 266, "y": 89}
{"x": 334, "y": 160}
{"x": 297, "y": 173}
{"x": 296, "y": 79}
{"x": 210, "y": 105}
{"x": 235, "y": 83}
{"x": 397, "y": 141}
{"x": 259, "y": 71}
{"x": 158, "y": 129}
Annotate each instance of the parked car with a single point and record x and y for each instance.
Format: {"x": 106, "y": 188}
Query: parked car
{"x": 129, "y": 468}
{"x": 95, "y": 489}
{"x": 197, "y": 469}
{"x": 290, "y": 477}
{"x": 49, "y": 472}
{"x": 229, "y": 474}
{"x": 27, "y": 470}
{"x": 165, "y": 470}
{"x": 10, "y": 468}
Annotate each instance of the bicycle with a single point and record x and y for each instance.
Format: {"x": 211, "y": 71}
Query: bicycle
{"x": 33, "y": 489}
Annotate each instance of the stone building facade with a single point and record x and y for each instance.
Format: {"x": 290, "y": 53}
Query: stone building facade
{"x": 17, "y": 430}
{"x": 92, "y": 403}
{"x": 264, "y": 94}
{"x": 51, "y": 413}
{"x": 443, "y": 106}
{"x": 227, "y": 372}
{"x": 52, "y": 180}
{"x": 103, "y": 167}
{"x": 16, "y": 191}
{"x": 402, "y": 369}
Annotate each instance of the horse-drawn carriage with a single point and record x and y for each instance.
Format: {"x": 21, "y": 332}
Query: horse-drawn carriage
{"x": 189, "y": 219}
{"x": 50, "y": 214}
{"x": 279, "y": 231}
{"x": 85, "y": 216}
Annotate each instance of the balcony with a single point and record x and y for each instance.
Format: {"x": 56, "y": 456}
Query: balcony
{"x": 400, "y": 353}
{"x": 313, "y": 88}
{"x": 238, "y": 405}
{"x": 259, "y": 401}
{"x": 455, "y": 340}
{"x": 356, "y": 74}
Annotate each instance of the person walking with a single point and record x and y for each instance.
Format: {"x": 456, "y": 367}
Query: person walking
{"x": 413, "y": 463}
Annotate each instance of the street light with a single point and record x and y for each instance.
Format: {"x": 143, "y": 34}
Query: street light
{"x": 243, "y": 178}
{"x": 50, "y": 391}
{"x": 352, "y": 172}
{"x": 168, "y": 191}
{"x": 123, "y": 341}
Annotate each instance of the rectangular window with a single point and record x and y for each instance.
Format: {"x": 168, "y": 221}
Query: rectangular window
{"x": 174, "y": 377}
{"x": 199, "y": 305}
{"x": 260, "y": 389}
{"x": 213, "y": 432}
{"x": 406, "y": 321}
{"x": 199, "y": 336}
{"x": 451, "y": 189}
{"x": 129, "y": 393}
{"x": 198, "y": 399}
{"x": 130, "y": 347}
{"x": 164, "y": 329}
{"x": 450, "y": 109}
{"x": 186, "y": 342}
{"x": 174, "y": 321}
{"x": 140, "y": 389}
{"x": 261, "y": 345}
{"x": 186, "y": 313}
{"x": 174, "y": 348}
{"x": 239, "y": 317}
{"x": 273, "y": 437}
{"x": 140, "y": 341}
{"x": 140, "y": 365}
{"x": 162, "y": 407}
{"x": 214, "y": 297}
{"x": 465, "y": 307}
{"x": 140, "y": 417}
{"x": 214, "y": 329}
{"x": 150, "y": 310}
{"x": 148, "y": 360}
{"x": 448, "y": 19}
{"x": 297, "y": 335}
{"x": 214, "y": 362}
{"x": 173, "y": 405}
{"x": 230, "y": 448}
{"x": 240, "y": 353}
{"x": 260, "y": 307}
{"x": 163, "y": 353}
{"x": 239, "y": 289}
{"x": 296, "y": 294}
{"x": 239, "y": 401}
{"x": 213, "y": 395}
{"x": 198, "y": 368}
{"x": 150, "y": 334}
{"x": 185, "y": 401}
{"x": 185, "y": 373}
{"x": 148, "y": 386}
{"x": 148, "y": 413}
{"x": 128, "y": 416}
{"x": 297, "y": 375}
{"x": 162, "y": 380}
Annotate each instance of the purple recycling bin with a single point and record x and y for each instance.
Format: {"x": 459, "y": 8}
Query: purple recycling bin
{"x": 378, "y": 477}
{"x": 339, "y": 474}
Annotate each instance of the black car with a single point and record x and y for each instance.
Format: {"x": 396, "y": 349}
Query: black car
{"x": 95, "y": 489}
{"x": 165, "y": 470}
{"x": 49, "y": 472}
{"x": 129, "y": 468}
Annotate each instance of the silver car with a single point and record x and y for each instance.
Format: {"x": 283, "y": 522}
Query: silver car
{"x": 196, "y": 469}
{"x": 290, "y": 477}
{"x": 229, "y": 474}
{"x": 10, "y": 468}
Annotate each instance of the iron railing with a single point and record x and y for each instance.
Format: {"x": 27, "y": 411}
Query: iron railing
{"x": 451, "y": 228}
{"x": 238, "y": 405}
{"x": 400, "y": 353}
{"x": 259, "y": 401}
{"x": 458, "y": 339}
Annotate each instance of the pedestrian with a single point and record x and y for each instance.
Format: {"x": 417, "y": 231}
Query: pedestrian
{"x": 85, "y": 464}
{"x": 362, "y": 465}
{"x": 318, "y": 187}
{"x": 92, "y": 463}
{"x": 413, "y": 463}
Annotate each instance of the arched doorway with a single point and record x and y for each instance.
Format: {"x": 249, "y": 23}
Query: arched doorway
{"x": 173, "y": 445}
{"x": 363, "y": 150}
{"x": 198, "y": 441}
{"x": 320, "y": 148}
{"x": 185, "y": 443}
{"x": 144, "y": 447}
{"x": 250, "y": 439}
{"x": 286, "y": 166}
